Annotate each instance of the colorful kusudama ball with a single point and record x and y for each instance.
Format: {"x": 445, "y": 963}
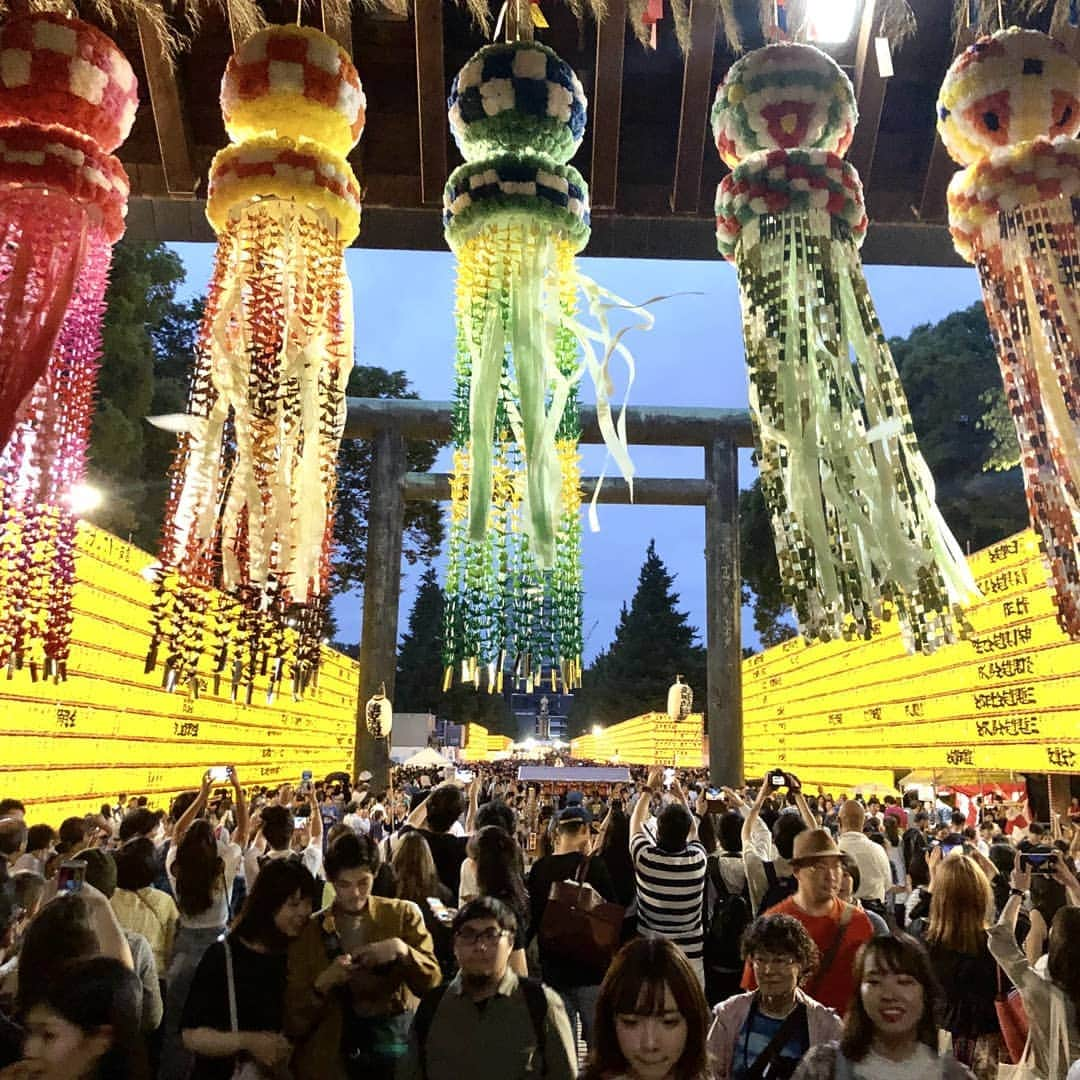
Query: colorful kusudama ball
{"x": 517, "y": 98}
{"x": 58, "y": 70}
{"x": 293, "y": 82}
{"x": 782, "y": 97}
{"x": 1013, "y": 87}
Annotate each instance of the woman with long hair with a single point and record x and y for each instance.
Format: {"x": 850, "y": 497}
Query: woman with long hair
{"x": 961, "y": 911}
{"x": 615, "y": 851}
{"x": 417, "y": 880}
{"x": 275, "y": 912}
{"x": 1056, "y": 998}
{"x": 890, "y": 1028}
{"x": 201, "y": 871}
{"x": 84, "y": 1025}
{"x": 498, "y": 874}
{"x": 651, "y": 1017}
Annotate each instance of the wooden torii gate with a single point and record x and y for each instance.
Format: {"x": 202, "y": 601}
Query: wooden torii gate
{"x": 719, "y": 432}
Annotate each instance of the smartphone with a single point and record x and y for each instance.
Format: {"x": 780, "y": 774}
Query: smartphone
{"x": 440, "y": 910}
{"x": 948, "y": 849}
{"x": 777, "y": 779}
{"x": 464, "y": 775}
{"x": 1039, "y": 862}
{"x": 70, "y": 877}
{"x": 714, "y": 806}
{"x": 301, "y": 823}
{"x": 219, "y": 774}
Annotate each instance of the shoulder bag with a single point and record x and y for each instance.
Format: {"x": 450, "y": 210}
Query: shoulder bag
{"x": 245, "y": 1068}
{"x": 1057, "y": 1053}
{"x": 580, "y": 924}
{"x": 1012, "y": 1019}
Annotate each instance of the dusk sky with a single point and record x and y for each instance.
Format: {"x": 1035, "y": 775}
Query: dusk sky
{"x": 693, "y": 357}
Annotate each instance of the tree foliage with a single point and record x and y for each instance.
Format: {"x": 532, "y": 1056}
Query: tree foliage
{"x": 419, "y": 681}
{"x": 950, "y": 374}
{"x": 147, "y": 341}
{"x": 653, "y": 643}
{"x": 423, "y": 520}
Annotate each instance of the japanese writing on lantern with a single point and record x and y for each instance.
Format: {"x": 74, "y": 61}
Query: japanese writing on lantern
{"x": 989, "y": 726}
{"x": 1061, "y": 757}
{"x": 960, "y": 757}
{"x": 1004, "y": 549}
{"x": 1001, "y": 640}
{"x": 1008, "y": 697}
{"x": 914, "y": 708}
{"x": 1011, "y": 578}
{"x": 1018, "y": 605}
{"x": 65, "y": 718}
{"x": 1008, "y": 668}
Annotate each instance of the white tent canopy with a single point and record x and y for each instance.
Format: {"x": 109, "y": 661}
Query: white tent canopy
{"x": 427, "y": 758}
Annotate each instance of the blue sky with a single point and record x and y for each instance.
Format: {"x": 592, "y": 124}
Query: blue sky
{"x": 693, "y": 356}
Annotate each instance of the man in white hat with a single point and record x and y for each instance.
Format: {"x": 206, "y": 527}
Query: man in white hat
{"x": 838, "y": 929}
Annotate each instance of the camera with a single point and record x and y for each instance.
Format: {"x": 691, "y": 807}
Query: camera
{"x": 777, "y": 779}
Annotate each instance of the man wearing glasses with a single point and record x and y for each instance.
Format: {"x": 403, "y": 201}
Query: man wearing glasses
{"x": 838, "y": 929}
{"x": 487, "y": 1022}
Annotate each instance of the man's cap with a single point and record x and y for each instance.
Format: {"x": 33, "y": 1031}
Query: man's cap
{"x": 814, "y": 844}
{"x": 575, "y": 813}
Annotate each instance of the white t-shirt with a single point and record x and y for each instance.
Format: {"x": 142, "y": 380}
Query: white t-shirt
{"x": 311, "y": 857}
{"x": 924, "y": 1064}
{"x": 469, "y": 888}
{"x": 217, "y": 914}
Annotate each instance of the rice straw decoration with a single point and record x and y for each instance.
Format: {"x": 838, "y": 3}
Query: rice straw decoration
{"x": 1009, "y": 110}
{"x": 850, "y": 495}
{"x": 67, "y": 99}
{"x": 515, "y": 215}
{"x": 251, "y": 506}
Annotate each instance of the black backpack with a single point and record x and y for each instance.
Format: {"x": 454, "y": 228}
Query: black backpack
{"x": 535, "y": 1001}
{"x": 724, "y": 927}
{"x": 779, "y": 888}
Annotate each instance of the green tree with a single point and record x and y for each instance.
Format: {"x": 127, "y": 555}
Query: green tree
{"x": 950, "y": 374}
{"x": 418, "y": 686}
{"x": 423, "y": 520}
{"x": 653, "y": 642}
{"x": 147, "y": 341}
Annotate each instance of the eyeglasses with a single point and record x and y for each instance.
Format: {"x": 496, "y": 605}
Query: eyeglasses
{"x": 487, "y": 938}
{"x": 821, "y": 864}
{"x": 764, "y": 962}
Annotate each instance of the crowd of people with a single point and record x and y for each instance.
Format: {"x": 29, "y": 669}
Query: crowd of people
{"x": 658, "y": 929}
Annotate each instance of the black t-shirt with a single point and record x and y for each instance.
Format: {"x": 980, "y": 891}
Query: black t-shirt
{"x": 260, "y": 998}
{"x": 559, "y": 972}
{"x": 448, "y": 851}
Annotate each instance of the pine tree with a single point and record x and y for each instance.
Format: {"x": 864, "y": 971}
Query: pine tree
{"x": 653, "y": 642}
{"x": 420, "y": 672}
{"x": 419, "y": 662}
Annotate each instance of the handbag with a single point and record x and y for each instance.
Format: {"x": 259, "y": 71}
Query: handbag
{"x": 1058, "y": 1062}
{"x": 580, "y": 924}
{"x": 1012, "y": 1019}
{"x": 245, "y": 1068}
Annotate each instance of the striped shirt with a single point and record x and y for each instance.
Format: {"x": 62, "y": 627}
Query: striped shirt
{"x": 669, "y": 888}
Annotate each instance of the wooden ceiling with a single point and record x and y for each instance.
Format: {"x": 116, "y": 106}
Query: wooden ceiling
{"x": 648, "y": 153}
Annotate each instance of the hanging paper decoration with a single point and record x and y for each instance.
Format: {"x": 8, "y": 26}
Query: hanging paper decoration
{"x": 67, "y": 99}
{"x": 379, "y": 714}
{"x": 515, "y": 215}
{"x": 850, "y": 496}
{"x": 252, "y": 498}
{"x": 1009, "y": 110}
{"x": 680, "y": 699}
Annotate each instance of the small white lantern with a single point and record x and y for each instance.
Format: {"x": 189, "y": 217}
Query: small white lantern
{"x": 380, "y": 714}
{"x": 680, "y": 699}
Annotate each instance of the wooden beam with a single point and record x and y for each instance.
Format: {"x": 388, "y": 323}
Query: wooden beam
{"x": 696, "y": 93}
{"x": 431, "y": 98}
{"x": 870, "y": 86}
{"x": 337, "y": 23}
{"x": 941, "y": 169}
{"x": 648, "y": 490}
{"x": 174, "y": 142}
{"x": 606, "y": 107}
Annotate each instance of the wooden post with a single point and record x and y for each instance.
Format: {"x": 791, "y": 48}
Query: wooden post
{"x": 382, "y": 590}
{"x": 723, "y": 599}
